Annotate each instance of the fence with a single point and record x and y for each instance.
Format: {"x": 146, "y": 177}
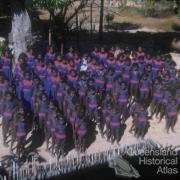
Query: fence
{"x": 35, "y": 170}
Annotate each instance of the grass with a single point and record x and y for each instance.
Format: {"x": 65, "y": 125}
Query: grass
{"x": 135, "y": 15}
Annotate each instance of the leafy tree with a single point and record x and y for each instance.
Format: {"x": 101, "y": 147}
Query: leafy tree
{"x": 61, "y": 12}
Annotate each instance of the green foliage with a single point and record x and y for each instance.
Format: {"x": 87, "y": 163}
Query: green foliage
{"x": 149, "y": 8}
{"x": 2, "y": 48}
{"x": 49, "y": 4}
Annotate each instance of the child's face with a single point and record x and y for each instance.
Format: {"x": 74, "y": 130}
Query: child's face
{"x": 173, "y": 102}
{"x": 1, "y": 78}
{"x": 90, "y": 83}
{"x": 21, "y": 110}
{"x": 102, "y": 50}
{"x": 27, "y": 75}
{"x": 149, "y": 68}
{"x": 72, "y": 94}
{"x": 51, "y": 105}
{"x": 71, "y": 63}
{"x": 110, "y": 71}
{"x": 101, "y": 66}
{"x": 123, "y": 86}
{"x": 145, "y": 77}
{"x": 39, "y": 56}
{"x": 178, "y": 73}
{"x": 59, "y": 58}
{"x": 156, "y": 82}
{"x": 140, "y": 49}
{"x": 95, "y": 49}
{"x": 51, "y": 50}
{"x": 70, "y": 49}
{"x": 54, "y": 114}
{"x": 112, "y": 48}
{"x": 135, "y": 68}
{"x": 109, "y": 106}
{"x": 44, "y": 98}
{"x": 36, "y": 81}
{"x": 49, "y": 65}
{"x": 73, "y": 73}
{"x": 31, "y": 51}
{"x": 92, "y": 92}
{"x": 108, "y": 96}
{"x": 88, "y": 58}
{"x": 54, "y": 73}
{"x": 83, "y": 77}
{"x": 8, "y": 97}
{"x": 128, "y": 63}
{"x": 166, "y": 77}
{"x": 6, "y": 54}
{"x": 40, "y": 88}
{"x": 6, "y": 82}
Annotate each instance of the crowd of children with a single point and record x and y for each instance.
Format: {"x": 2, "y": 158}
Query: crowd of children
{"x": 106, "y": 87}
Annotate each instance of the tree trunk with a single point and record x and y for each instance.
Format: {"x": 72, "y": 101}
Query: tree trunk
{"x": 50, "y": 30}
{"x": 101, "y": 20}
{"x": 21, "y": 34}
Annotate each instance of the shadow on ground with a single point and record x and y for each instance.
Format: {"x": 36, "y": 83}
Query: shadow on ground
{"x": 122, "y": 26}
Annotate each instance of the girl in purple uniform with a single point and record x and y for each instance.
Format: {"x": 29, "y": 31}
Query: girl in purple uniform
{"x": 145, "y": 89}
{"x": 60, "y": 136}
{"x": 73, "y": 79}
{"x": 81, "y": 129}
{"x": 42, "y": 109}
{"x": 126, "y": 71}
{"x": 60, "y": 94}
{"x": 106, "y": 115}
{"x": 6, "y": 62}
{"x": 100, "y": 80}
{"x": 27, "y": 90}
{"x": 171, "y": 115}
{"x": 120, "y": 65}
{"x": 81, "y": 132}
{"x": 40, "y": 70}
{"x": 50, "y": 55}
{"x": 123, "y": 100}
{"x": 142, "y": 123}
{"x": 82, "y": 88}
{"x": 115, "y": 125}
{"x": 7, "y": 109}
{"x": 157, "y": 96}
{"x": 164, "y": 102}
{"x": 49, "y": 126}
{"x": 116, "y": 88}
{"x": 30, "y": 59}
{"x": 53, "y": 83}
{"x": 103, "y": 55}
{"x": 110, "y": 77}
{"x": 21, "y": 131}
{"x": 134, "y": 81}
{"x": 92, "y": 103}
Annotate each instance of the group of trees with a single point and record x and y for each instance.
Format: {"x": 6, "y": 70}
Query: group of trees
{"x": 61, "y": 12}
